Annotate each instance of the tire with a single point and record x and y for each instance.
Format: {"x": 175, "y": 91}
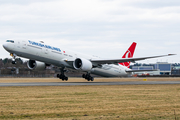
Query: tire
{"x": 57, "y": 75}
{"x": 92, "y": 79}
{"x": 61, "y": 76}
{"x": 86, "y": 77}
{"x": 89, "y": 78}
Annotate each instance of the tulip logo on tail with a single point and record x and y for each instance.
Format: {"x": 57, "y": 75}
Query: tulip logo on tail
{"x": 129, "y": 54}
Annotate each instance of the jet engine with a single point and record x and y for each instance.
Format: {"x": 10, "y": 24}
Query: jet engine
{"x": 36, "y": 65}
{"x": 82, "y": 64}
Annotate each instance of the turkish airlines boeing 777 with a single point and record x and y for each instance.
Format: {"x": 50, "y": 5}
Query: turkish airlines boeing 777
{"x": 40, "y": 55}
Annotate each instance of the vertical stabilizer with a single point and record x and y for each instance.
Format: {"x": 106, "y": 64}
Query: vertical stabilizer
{"x": 129, "y": 54}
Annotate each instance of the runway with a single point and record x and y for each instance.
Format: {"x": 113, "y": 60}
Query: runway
{"x": 88, "y": 83}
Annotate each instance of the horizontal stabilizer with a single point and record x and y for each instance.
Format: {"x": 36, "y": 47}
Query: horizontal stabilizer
{"x": 139, "y": 70}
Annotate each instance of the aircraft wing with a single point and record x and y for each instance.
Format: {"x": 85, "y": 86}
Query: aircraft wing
{"x": 116, "y": 61}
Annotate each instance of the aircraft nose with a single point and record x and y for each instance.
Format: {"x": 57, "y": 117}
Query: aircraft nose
{"x": 5, "y": 46}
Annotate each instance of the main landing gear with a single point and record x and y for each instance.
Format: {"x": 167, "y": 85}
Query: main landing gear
{"x": 88, "y": 77}
{"x": 62, "y": 76}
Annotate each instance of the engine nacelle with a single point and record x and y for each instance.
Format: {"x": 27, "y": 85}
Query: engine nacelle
{"x": 82, "y": 64}
{"x": 36, "y": 65}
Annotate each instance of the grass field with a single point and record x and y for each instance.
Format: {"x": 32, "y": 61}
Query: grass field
{"x": 123, "y": 102}
{"x": 16, "y": 80}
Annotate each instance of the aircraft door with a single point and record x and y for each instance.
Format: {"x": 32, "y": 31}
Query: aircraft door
{"x": 120, "y": 71}
{"x": 45, "y": 51}
{"x": 24, "y": 44}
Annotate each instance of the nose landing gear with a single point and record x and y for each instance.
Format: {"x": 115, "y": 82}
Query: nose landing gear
{"x": 14, "y": 57}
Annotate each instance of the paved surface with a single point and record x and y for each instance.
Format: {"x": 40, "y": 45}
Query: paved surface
{"x": 88, "y": 83}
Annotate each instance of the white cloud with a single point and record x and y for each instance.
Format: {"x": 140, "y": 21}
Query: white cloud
{"x": 95, "y": 25}
{"x": 80, "y": 11}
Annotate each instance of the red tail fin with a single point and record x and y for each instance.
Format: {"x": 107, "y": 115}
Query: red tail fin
{"x": 129, "y": 54}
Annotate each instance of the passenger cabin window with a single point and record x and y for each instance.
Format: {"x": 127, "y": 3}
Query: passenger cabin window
{"x": 10, "y": 41}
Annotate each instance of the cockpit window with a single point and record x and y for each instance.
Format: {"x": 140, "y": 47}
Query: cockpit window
{"x": 10, "y": 41}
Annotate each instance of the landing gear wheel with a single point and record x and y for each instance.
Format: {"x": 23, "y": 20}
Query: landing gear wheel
{"x": 83, "y": 75}
{"x": 88, "y": 77}
{"x": 58, "y": 75}
{"x": 62, "y": 76}
{"x": 92, "y": 79}
{"x": 13, "y": 62}
{"x": 66, "y": 78}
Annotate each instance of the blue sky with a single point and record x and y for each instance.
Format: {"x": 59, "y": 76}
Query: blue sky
{"x": 105, "y": 28}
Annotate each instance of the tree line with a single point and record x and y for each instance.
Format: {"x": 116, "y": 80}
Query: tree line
{"x": 20, "y": 69}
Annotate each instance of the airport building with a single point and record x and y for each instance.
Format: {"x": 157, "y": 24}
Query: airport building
{"x": 164, "y": 67}
{"x": 161, "y": 68}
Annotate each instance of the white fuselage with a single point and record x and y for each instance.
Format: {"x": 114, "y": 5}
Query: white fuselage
{"x": 58, "y": 57}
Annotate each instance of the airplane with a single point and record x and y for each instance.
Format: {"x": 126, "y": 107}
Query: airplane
{"x": 41, "y": 55}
